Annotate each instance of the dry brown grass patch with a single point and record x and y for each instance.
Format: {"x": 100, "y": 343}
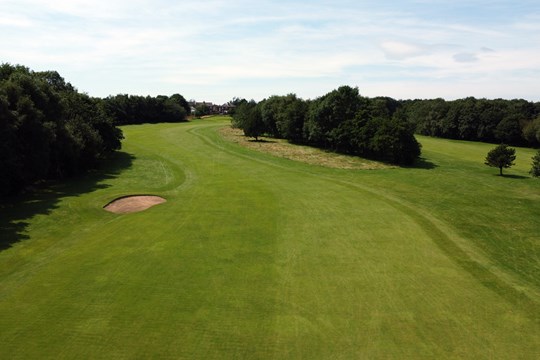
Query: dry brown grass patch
{"x": 306, "y": 154}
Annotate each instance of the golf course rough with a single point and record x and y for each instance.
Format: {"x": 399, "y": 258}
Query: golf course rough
{"x": 255, "y": 256}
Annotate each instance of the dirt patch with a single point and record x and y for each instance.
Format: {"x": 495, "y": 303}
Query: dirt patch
{"x": 134, "y": 203}
{"x": 306, "y": 154}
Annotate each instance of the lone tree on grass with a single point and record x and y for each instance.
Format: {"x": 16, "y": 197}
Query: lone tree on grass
{"x": 502, "y": 157}
{"x": 535, "y": 170}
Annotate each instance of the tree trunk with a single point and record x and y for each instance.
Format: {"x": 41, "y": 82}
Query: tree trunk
{"x": 500, "y": 170}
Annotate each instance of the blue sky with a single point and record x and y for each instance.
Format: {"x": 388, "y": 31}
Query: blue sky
{"x": 217, "y": 50}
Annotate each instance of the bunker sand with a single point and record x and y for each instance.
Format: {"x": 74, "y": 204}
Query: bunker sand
{"x": 134, "y": 203}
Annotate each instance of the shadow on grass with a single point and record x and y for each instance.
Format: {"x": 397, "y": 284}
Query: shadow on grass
{"x": 262, "y": 141}
{"x": 16, "y": 212}
{"x": 519, "y": 177}
{"x": 422, "y": 163}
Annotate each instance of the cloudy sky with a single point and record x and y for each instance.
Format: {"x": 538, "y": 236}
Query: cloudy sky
{"x": 216, "y": 50}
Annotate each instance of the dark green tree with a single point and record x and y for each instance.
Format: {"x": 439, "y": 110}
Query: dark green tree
{"x": 248, "y": 117}
{"x": 341, "y": 120}
{"x": 394, "y": 140}
{"x": 180, "y": 100}
{"x": 10, "y": 164}
{"x": 48, "y": 130}
{"x": 133, "y": 109}
{"x": 502, "y": 157}
{"x": 531, "y": 132}
{"x": 432, "y": 117}
{"x": 270, "y": 109}
{"x": 509, "y": 130}
{"x": 507, "y": 121}
{"x": 283, "y": 116}
{"x": 234, "y": 103}
{"x": 291, "y": 117}
{"x": 535, "y": 170}
{"x": 328, "y": 112}
{"x": 202, "y": 110}
{"x": 490, "y": 113}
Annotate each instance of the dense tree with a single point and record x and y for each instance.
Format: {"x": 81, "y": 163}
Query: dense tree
{"x": 48, "y": 130}
{"x": 328, "y": 112}
{"x": 235, "y": 120}
{"x": 291, "y": 117}
{"x": 179, "y": 100}
{"x": 509, "y": 130}
{"x": 394, "y": 140}
{"x": 490, "y": 114}
{"x": 202, "y": 110}
{"x": 132, "y": 109}
{"x": 431, "y": 118}
{"x": 283, "y": 116}
{"x": 498, "y": 120}
{"x": 248, "y": 117}
{"x": 333, "y": 120}
{"x": 383, "y": 107}
{"x": 269, "y": 109}
{"x": 234, "y": 103}
{"x": 10, "y": 165}
{"x": 341, "y": 120}
{"x": 502, "y": 157}
{"x": 467, "y": 118}
{"x": 93, "y": 131}
{"x": 531, "y": 132}
{"x": 535, "y": 169}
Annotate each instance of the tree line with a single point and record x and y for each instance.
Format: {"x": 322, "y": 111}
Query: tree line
{"x": 49, "y": 130}
{"x": 133, "y": 109}
{"x": 514, "y": 122}
{"x": 382, "y": 127}
{"x": 342, "y": 120}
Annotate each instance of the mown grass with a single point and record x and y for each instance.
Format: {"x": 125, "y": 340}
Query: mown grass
{"x": 255, "y": 256}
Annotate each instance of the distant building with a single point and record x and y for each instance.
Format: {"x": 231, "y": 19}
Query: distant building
{"x": 213, "y": 109}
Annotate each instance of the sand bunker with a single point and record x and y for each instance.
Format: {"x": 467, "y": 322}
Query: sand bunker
{"x": 131, "y": 204}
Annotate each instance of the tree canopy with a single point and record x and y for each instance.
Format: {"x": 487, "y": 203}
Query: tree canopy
{"x": 514, "y": 122}
{"x": 535, "y": 169}
{"x": 502, "y": 157}
{"x": 133, "y": 109}
{"x": 342, "y": 120}
{"x": 383, "y": 128}
{"x": 48, "y": 130}
{"x": 248, "y": 118}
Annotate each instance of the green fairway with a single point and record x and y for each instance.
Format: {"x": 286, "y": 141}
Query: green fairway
{"x": 255, "y": 256}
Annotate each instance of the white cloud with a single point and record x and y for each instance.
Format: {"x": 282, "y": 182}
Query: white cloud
{"x": 159, "y": 46}
{"x": 465, "y": 57}
{"x": 15, "y": 21}
{"x": 396, "y": 50}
